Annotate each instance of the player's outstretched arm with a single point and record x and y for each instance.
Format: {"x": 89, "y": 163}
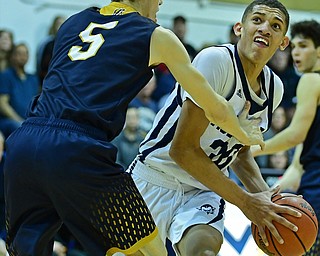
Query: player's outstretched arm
{"x": 308, "y": 97}
{"x": 166, "y": 48}
{"x": 292, "y": 176}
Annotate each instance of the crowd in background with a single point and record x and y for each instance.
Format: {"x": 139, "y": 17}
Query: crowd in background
{"x": 18, "y": 87}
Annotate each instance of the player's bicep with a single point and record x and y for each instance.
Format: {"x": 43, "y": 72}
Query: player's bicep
{"x": 191, "y": 125}
{"x": 166, "y": 48}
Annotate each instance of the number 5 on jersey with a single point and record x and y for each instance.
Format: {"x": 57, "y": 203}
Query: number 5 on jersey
{"x": 95, "y": 41}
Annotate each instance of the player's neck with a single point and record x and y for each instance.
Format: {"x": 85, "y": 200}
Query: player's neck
{"x": 251, "y": 68}
{"x": 253, "y": 72}
{"x": 134, "y": 5}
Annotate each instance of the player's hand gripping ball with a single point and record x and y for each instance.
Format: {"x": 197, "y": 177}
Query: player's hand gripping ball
{"x": 295, "y": 243}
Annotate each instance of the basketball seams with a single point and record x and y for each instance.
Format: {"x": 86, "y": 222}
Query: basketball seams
{"x": 273, "y": 243}
{"x": 301, "y": 242}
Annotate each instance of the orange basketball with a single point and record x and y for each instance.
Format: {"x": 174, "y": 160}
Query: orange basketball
{"x": 295, "y": 243}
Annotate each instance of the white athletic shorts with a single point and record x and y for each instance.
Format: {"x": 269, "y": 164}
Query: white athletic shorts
{"x": 175, "y": 206}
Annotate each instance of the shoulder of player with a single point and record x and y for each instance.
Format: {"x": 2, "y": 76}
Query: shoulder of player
{"x": 163, "y": 35}
{"x": 311, "y": 76}
{"x": 310, "y": 81}
{"x": 215, "y": 51}
{"x": 213, "y": 55}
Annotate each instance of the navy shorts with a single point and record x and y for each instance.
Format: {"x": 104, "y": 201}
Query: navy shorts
{"x": 57, "y": 171}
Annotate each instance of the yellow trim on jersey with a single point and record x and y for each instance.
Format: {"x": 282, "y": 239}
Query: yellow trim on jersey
{"x": 136, "y": 246}
{"x": 116, "y": 8}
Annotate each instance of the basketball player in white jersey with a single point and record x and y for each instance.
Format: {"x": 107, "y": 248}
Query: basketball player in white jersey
{"x": 181, "y": 169}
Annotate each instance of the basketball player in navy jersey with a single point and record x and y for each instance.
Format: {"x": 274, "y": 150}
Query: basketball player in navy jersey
{"x": 304, "y": 126}
{"x": 181, "y": 168}
{"x": 61, "y": 166}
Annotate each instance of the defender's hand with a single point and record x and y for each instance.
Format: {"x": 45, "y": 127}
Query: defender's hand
{"x": 255, "y": 150}
{"x": 251, "y": 127}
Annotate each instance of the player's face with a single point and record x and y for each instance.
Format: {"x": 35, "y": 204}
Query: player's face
{"x": 262, "y": 33}
{"x": 304, "y": 53}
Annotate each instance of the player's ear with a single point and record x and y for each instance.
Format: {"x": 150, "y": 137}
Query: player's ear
{"x": 284, "y": 43}
{"x": 237, "y": 28}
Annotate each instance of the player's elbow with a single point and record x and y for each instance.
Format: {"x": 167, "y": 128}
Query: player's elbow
{"x": 176, "y": 153}
{"x": 296, "y": 137}
{"x": 295, "y": 140}
{"x": 219, "y": 115}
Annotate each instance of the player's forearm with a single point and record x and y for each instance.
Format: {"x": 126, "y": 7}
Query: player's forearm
{"x": 251, "y": 179}
{"x": 222, "y": 114}
{"x": 227, "y": 120}
{"x": 9, "y": 112}
{"x": 198, "y": 165}
{"x": 292, "y": 176}
{"x": 280, "y": 142}
{"x": 249, "y": 174}
{"x": 216, "y": 108}
{"x": 291, "y": 179}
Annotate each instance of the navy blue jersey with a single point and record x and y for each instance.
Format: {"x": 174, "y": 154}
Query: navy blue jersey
{"x": 100, "y": 62}
{"x": 310, "y": 180}
{"x": 311, "y": 146}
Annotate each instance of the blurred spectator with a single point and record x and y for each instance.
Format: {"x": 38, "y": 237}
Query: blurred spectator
{"x": 147, "y": 107}
{"x": 165, "y": 79}
{"x": 6, "y": 45}
{"x": 277, "y": 164}
{"x": 17, "y": 88}
{"x": 165, "y": 83}
{"x": 278, "y": 123}
{"x": 279, "y": 160}
{"x": 129, "y": 139}
{"x": 44, "y": 53}
{"x": 147, "y": 116}
{"x": 143, "y": 98}
{"x": 233, "y": 39}
{"x": 180, "y": 29}
{"x": 2, "y": 203}
{"x": 282, "y": 64}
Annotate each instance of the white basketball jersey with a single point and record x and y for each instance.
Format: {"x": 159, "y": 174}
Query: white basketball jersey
{"x": 228, "y": 79}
